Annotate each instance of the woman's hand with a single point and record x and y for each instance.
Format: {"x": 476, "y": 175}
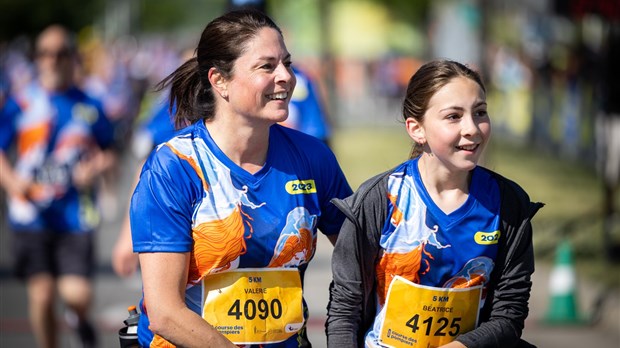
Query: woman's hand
{"x": 89, "y": 169}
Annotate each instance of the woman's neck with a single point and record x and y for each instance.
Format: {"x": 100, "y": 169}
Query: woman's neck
{"x": 245, "y": 145}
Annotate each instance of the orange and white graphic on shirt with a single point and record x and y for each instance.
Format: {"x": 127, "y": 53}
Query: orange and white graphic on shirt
{"x": 219, "y": 223}
{"x": 297, "y": 242}
{"x": 475, "y": 272}
{"x": 402, "y": 255}
{"x": 160, "y": 342}
{"x": 34, "y": 126}
{"x": 32, "y": 136}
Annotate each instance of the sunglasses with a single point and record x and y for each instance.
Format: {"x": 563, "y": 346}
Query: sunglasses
{"x": 58, "y": 54}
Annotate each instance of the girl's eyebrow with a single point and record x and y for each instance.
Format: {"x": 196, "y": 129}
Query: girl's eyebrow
{"x": 452, "y": 108}
{"x": 459, "y": 108}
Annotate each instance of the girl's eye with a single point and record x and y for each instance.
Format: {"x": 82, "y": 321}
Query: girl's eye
{"x": 481, "y": 113}
{"x": 453, "y": 117}
{"x": 288, "y": 64}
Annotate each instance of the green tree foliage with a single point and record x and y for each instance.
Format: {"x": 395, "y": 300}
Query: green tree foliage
{"x": 170, "y": 15}
{"x": 28, "y": 17}
{"x": 412, "y": 11}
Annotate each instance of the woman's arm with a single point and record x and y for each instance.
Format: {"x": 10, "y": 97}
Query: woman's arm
{"x": 164, "y": 278}
{"x": 12, "y": 183}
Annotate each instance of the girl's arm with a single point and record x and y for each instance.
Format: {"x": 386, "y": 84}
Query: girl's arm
{"x": 508, "y": 310}
{"x": 344, "y": 311}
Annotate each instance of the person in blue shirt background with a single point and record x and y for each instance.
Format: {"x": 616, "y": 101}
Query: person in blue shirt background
{"x": 306, "y": 112}
{"x": 63, "y": 142}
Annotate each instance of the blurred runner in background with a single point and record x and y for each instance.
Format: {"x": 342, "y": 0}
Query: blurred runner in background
{"x": 63, "y": 140}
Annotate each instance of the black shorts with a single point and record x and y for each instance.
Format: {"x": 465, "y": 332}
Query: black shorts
{"x": 52, "y": 253}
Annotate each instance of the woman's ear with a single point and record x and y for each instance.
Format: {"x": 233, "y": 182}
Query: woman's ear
{"x": 218, "y": 82}
{"x": 415, "y": 130}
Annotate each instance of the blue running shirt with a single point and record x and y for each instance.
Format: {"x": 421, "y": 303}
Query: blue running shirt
{"x": 425, "y": 246}
{"x": 192, "y": 198}
{"x": 53, "y": 132}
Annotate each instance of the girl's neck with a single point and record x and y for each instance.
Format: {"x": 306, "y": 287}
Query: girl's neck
{"x": 449, "y": 190}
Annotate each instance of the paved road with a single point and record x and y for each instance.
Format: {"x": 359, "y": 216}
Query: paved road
{"x": 114, "y": 295}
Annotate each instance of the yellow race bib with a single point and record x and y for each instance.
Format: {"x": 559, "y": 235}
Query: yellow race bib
{"x": 254, "y": 305}
{"x": 424, "y": 316}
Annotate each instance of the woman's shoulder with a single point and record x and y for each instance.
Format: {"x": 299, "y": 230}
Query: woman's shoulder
{"x": 296, "y": 136}
{"x": 294, "y": 141}
{"x": 172, "y": 150}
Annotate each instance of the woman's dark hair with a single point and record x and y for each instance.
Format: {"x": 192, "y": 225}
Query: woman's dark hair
{"x": 429, "y": 79}
{"x": 222, "y": 41}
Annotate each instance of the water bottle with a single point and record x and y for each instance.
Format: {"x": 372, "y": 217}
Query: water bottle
{"x": 128, "y": 335}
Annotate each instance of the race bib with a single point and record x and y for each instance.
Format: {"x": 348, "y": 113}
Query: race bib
{"x": 254, "y": 306}
{"x": 52, "y": 173}
{"x": 424, "y": 316}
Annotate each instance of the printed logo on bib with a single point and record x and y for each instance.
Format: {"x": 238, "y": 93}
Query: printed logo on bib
{"x": 487, "y": 238}
{"x": 295, "y": 187}
{"x": 254, "y": 306}
{"x": 424, "y": 316}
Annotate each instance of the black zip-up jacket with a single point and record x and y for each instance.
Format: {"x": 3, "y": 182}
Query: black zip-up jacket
{"x": 352, "y": 304}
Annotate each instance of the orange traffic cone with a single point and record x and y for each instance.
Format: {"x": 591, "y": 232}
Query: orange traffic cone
{"x": 563, "y": 306}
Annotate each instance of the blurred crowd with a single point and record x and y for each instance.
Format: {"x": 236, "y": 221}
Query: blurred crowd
{"x": 120, "y": 73}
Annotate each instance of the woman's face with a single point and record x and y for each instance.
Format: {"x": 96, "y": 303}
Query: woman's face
{"x": 262, "y": 80}
{"x": 456, "y": 126}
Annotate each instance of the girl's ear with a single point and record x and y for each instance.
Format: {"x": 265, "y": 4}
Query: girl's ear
{"x": 415, "y": 130}
{"x": 218, "y": 82}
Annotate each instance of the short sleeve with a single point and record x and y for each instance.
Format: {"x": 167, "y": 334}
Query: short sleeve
{"x": 161, "y": 206}
{"x": 8, "y": 115}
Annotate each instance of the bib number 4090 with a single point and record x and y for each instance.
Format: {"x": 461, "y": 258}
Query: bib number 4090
{"x": 440, "y": 325}
{"x": 251, "y": 308}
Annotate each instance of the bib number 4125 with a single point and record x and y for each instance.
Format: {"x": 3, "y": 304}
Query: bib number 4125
{"x": 440, "y": 326}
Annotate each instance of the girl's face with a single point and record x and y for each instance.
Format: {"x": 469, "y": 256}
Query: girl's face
{"x": 262, "y": 80}
{"x": 455, "y": 127}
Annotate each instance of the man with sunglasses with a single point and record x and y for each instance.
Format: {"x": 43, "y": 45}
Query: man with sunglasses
{"x": 63, "y": 140}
